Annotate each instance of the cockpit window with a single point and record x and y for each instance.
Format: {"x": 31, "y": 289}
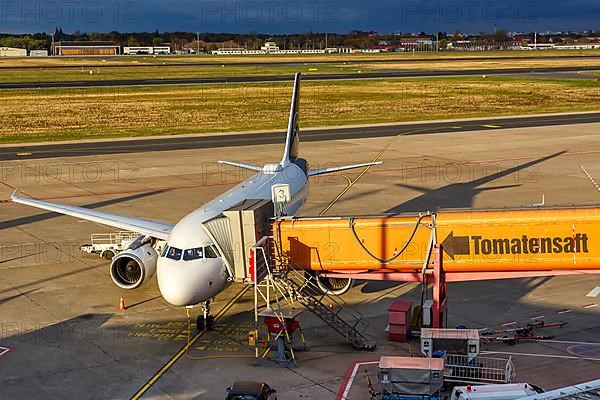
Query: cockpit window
{"x": 173, "y": 253}
{"x": 192, "y": 254}
{"x": 211, "y": 251}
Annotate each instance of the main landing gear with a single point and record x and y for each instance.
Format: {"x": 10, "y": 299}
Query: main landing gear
{"x": 205, "y": 320}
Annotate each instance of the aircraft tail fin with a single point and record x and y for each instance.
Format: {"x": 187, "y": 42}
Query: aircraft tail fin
{"x": 292, "y": 142}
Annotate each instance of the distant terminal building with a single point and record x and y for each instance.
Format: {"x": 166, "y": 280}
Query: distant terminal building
{"x": 38, "y": 53}
{"x": 86, "y": 48}
{"x": 161, "y": 50}
{"x": 272, "y": 51}
{"x": 139, "y": 50}
{"x": 243, "y": 51}
{"x": 135, "y": 50}
{"x": 269, "y": 47}
{"x": 578, "y": 46}
{"x": 341, "y": 50}
{"x": 12, "y": 52}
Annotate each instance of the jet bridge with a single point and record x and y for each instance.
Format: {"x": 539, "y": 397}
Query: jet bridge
{"x": 236, "y": 231}
{"x": 430, "y": 248}
{"x": 475, "y": 244}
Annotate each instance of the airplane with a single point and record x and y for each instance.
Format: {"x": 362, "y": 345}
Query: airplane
{"x": 189, "y": 267}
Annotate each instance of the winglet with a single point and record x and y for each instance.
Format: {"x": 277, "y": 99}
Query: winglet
{"x": 14, "y": 196}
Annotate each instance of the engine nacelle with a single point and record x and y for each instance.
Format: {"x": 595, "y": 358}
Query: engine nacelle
{"x": 132, "y": 267}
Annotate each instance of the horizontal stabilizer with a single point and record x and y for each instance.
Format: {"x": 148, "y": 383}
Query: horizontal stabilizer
{"x": 343, "y": 168}
{"x": 416, "y": 188}
{"x": 242, "y": 165}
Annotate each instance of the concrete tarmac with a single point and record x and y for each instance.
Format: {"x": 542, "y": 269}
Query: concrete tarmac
{"x": 66, "y": 338}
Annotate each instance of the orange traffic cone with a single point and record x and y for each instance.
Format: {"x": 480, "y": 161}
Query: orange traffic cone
{"x": 122, "y": 304}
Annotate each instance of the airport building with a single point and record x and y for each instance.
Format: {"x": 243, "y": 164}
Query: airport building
{"x": 38, "y": 53}
{"x": 138, "y": 50}
{"x": 12, "y": 52}
{"x": 85, "y": 48}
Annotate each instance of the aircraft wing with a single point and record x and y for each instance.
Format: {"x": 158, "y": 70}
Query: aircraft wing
{"x": 159, "y": 230}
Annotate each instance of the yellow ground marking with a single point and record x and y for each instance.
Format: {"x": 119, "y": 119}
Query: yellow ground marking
{"x": 364, "y": 171}
{"x": 491, "y": 126}
{"x": 185, "y": 348}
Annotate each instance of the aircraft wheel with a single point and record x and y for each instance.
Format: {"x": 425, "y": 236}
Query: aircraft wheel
{"x": 108, "y": 255}
{"x": 210, "y": 323}
{"x": 200, "y": 323}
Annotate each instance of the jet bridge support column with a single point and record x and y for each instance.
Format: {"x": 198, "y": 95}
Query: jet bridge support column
{"x": 440, "y": 301}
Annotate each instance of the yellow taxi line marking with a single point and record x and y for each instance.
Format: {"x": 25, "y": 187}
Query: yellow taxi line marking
{"x": 364, "y": 171}
{"x": 491, "y": 126}
{"x": 185, "y": 348}
{"x": 24, "y": 154}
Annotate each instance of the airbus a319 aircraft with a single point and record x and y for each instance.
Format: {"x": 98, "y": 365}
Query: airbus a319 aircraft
{"x": 189, "y": 268}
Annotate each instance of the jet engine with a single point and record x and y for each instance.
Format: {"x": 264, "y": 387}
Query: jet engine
{"x": 133, "y": 266}
{"x": 334, "y": 286}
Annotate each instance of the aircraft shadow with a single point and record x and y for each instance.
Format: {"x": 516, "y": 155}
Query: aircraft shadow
{"x": 459, "y": 195}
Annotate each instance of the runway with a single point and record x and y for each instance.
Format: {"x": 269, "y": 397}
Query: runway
{"x": 154, "y": 63}
{"x": 165, "y": 143}
{"x": 288, "y": 78}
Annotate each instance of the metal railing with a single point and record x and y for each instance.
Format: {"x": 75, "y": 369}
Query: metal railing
{"x": 295, "y": 285}
{"x": 459, "y": 368}
{"x": 113, "y": 238}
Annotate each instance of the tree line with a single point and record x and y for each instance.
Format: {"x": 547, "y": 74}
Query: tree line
{"x": 252, "y": 40}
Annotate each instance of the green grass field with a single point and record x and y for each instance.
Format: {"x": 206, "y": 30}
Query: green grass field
{"x": 62, "y": 114}
{"x": 94, "y": 69}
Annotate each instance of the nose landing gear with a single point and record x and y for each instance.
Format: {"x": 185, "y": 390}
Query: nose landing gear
{"x": 205, "y": 320}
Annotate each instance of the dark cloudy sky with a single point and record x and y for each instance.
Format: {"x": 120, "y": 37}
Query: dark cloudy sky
{"x": 282, "y": 16}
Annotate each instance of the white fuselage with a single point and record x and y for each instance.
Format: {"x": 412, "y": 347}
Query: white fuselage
{"x": 203, "y": 274}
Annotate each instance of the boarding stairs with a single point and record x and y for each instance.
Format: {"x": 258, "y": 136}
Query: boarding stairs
{"x": 243, "y": 235}
{"x": 302, "y": 287}
{"x": 330, "y": 309}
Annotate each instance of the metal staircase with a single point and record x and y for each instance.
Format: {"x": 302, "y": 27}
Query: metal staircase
{"x": 332, "y": 310}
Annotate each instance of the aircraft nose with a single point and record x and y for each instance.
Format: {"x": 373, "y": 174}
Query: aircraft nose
{"x": 176, "y": 283}
{"x": 186, "y": 283}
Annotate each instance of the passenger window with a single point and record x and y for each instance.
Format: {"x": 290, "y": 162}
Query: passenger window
{"x": 211, "y": 252}
{"x": 192, "y": 254}
{"x": 174, "y": 253}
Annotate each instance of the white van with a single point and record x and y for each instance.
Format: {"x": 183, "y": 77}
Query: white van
{"x": 507, "y": 391}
